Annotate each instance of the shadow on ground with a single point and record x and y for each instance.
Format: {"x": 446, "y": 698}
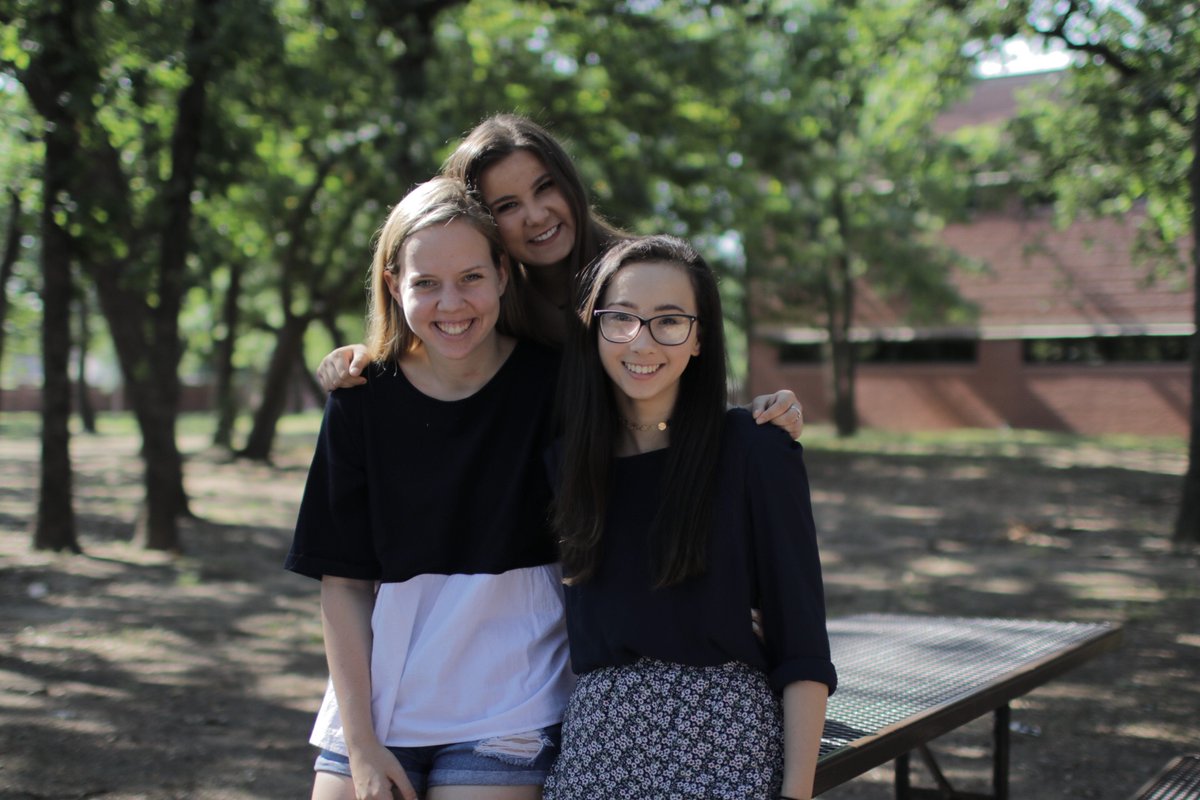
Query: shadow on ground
{"x": 126, "y": 674}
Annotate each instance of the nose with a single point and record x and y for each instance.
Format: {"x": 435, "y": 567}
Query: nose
{"x": 536, "y": 212}
{"x": 450, "y": 297}
{"x": 643, "y": 341}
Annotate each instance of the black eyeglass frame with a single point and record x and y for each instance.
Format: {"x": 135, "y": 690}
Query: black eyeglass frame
{"x": 643, "y": 322}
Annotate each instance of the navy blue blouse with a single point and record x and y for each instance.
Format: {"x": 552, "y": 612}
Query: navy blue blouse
{"x": 762, "y": 554}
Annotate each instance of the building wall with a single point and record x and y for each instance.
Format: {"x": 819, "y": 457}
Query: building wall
{"x": 997, "y": 390}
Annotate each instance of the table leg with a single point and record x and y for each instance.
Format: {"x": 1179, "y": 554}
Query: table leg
{"x": 1001, "y": 717}
{"x": 901, "y": 770}
{"x": 1000, "y": 750}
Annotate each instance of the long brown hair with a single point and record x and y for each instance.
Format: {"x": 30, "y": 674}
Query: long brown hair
{"x": 436, "y": 202}
{"x": 682, "y": 523}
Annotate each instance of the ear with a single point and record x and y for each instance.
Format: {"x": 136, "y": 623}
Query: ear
{"x": 696, "y": 343}
{"x": 392, "y": 279}
{"x": 502, "y": 270}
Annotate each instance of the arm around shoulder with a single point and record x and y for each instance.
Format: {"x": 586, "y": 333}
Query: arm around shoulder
{"x": 343, "y": 368}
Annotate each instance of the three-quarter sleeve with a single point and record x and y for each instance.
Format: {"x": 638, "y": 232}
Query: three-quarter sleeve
{"x": 333, "y": 534}
{"x": 787, "y": 563}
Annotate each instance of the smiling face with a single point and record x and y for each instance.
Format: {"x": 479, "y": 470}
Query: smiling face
{"x": 534, "y": 217}
{"x": 449, "y": 289}
{"x": 645, "y": 374}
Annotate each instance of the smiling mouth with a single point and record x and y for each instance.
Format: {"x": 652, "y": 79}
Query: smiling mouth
{"x": 453, "y": 328}
{"x": 547, "y": 235}
{"x": 643, "y": 369}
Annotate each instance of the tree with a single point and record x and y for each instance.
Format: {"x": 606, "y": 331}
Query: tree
{"x": 21, "y": 157}
{"x": 8, "y": 258}
{"x": 54, "y": 523}
{"x": 83, "y": 309}
{"x": 1122, "y": 133}
{"x": 123, "y": 92}
{"x": 747, "y": 128}
{"x": 837, "y": 111}
{"x": 333, "y": 172}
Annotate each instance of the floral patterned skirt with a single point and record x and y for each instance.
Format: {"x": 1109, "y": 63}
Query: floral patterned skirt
{"x": 658, "y": 731}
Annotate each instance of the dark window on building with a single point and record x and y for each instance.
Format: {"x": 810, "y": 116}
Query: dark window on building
{"x": 918, "y": 351}
{"x": 800, "y": 353}
{"x": 1107, "y": 350}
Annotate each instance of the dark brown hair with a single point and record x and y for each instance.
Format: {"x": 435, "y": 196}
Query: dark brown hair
{"x": 503, "y": 134}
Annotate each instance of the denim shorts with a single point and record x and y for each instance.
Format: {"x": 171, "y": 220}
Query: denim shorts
{"x": 519, "y": 759}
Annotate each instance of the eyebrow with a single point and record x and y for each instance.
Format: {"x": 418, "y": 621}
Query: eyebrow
{"x": 414, "y": 274}
{"x": 661, "y": 307}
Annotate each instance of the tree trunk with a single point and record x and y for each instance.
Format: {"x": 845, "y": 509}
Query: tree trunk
{"x": 1187, "y": 524}
{"x": 8, "y": 262}
{"x": 157, "y": 525}
{"x": 54, "y": 525}
{"x": 288, "y": 342}
{"x": 155, "y": 406}
{"x": 227, "y": 406}
{"x": 749, "y": 316}
{"x": 308, "y": 383}
{"x": 87, "y": 412}
{"x": 840, "y": 304}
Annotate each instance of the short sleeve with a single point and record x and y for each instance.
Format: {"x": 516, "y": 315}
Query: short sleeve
{"x": 787, "y": 562}
{"x": 333, "y": 534}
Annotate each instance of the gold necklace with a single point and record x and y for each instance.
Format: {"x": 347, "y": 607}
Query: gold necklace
{"x": 654, "y": 426}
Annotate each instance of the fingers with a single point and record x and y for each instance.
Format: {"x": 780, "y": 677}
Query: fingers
{"x": 793, "y": 420}
{"x": 769, "y": 407}
{"x": 781, "y": 409}
{"x": 359, "y": 360}
{"x": 343, "y": 368}
{"x": 402, "y": 789}
{"x": 398, "y": 782}
{"x": 377, "y": 775}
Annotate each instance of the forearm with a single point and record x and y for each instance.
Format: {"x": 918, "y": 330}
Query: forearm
{"x": 346, "y": 607}
{"x": 803, "y": 721}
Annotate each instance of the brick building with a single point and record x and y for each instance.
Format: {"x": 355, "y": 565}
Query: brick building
{"x": 1070, "y": 335}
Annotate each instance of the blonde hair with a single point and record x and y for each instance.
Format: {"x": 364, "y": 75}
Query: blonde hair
{"x": 439, "y": 201}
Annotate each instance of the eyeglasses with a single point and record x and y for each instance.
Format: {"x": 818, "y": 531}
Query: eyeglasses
{"x": 620, "y": 327}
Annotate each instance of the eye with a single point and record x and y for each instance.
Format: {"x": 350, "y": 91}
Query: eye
{"x": 622, "y": 317}
{"x": 472, "y": 277}
{"x": 500, "y": 208}
{"x": 545, "y": 185}
{"x": 670, "y": 321}
{"x": 422, "y": 283}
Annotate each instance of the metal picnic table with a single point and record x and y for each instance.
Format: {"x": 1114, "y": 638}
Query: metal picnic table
{"x": 904, "y": 680}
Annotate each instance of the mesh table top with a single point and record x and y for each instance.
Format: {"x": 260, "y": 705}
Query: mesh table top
{"x": 892, "y": 668}
{"x": 1179, "y": 781}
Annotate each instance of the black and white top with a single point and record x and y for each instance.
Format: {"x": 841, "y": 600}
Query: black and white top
{"x": 762, "y": 554}
{"x": 444, "y": 504}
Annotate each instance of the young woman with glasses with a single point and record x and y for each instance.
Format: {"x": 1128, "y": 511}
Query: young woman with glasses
{"x": 675, "y": 514}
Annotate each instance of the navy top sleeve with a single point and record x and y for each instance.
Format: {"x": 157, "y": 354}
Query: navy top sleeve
{"x": 333, "y": 531}
{"x": 402, "y": 484}
{"x": 787, "y": 564}
{"x": 762, "y": 554}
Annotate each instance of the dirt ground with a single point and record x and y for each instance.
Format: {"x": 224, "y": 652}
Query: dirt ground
{"x": 126, "y": 674}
